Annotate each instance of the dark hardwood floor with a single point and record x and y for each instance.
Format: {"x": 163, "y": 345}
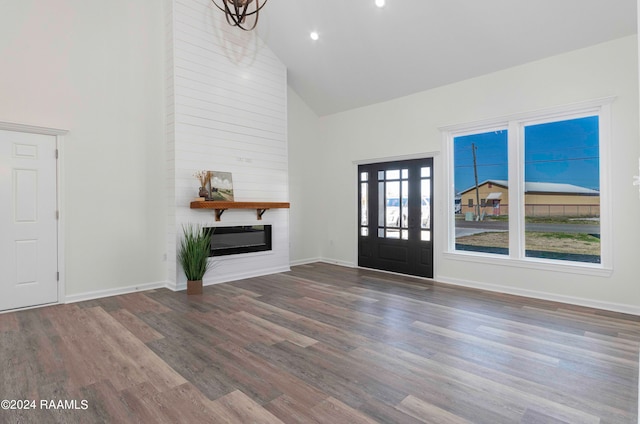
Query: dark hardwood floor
{"x": 321, "y": 344}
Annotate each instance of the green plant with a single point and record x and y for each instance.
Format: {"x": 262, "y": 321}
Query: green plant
{"x": 194, "y": 250}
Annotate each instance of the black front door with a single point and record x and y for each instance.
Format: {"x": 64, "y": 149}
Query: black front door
{"x": 395, "y": 216}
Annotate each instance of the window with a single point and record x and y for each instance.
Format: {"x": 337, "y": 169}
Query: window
{"x": 480, "y": 171}
{"x": 531, "y": 187}
{"x": 562, "y": 190}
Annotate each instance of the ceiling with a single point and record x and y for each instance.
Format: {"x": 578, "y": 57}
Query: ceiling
{"x": 367, "y": 54}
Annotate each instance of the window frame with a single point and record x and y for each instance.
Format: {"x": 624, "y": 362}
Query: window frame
{"x": 515, "y": 125}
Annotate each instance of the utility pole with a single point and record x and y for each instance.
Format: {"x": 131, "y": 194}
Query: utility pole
{"x": 475, "y": 173}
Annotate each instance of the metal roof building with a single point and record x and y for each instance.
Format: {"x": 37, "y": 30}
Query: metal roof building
{"x": 541, "y": 199}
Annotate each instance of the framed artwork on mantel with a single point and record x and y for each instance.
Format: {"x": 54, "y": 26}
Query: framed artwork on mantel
{"x": 220, "y": 186}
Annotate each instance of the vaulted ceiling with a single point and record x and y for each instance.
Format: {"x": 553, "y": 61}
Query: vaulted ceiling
{"x": 367, "y": 54}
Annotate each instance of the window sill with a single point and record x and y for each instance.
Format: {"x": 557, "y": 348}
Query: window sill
{"x": 531, "y": 263}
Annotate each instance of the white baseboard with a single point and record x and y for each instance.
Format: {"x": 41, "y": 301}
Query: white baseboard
{"x": 590, "y": 303}
{"x": 304, "y": 261}
{"x": 173, "y": 286}
{"x": 339, "y": 262}
{"x": 227, "y": 278}
{"x": 324, "y": 260}
{"x": 73, "y": 298}
{"x": 571, "y": 300}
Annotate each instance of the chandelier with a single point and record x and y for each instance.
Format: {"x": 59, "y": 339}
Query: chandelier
{"x": 236, "y": 12}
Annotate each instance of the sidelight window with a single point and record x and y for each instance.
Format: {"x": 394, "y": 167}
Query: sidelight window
{"x": 364, "y": 204}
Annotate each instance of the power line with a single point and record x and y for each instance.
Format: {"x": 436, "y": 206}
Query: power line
{"x": 562, "y": 160}
{"x": 529, "y": 162}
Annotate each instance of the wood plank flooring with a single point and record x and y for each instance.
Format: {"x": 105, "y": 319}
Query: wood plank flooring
{"x": 321, "y": 344}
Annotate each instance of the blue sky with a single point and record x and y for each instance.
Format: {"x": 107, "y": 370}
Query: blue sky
{"x": 557, "y": 152}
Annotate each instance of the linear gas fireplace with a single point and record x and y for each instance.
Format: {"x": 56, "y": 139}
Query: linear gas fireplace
{"x": 240, "y": 239}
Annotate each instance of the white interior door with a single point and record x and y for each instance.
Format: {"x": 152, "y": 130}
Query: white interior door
{"x": 28, "y": 221}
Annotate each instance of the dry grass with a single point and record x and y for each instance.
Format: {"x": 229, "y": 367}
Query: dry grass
{"x": 582, "y": 244}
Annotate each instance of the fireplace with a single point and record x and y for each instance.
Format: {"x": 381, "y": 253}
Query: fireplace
{"x": 240, "y": 239}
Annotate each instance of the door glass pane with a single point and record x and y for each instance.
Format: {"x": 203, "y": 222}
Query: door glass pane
{"x": 481, "y": 172}
{"x": 562, "y": 190}
{"x": 393, "y": 234}
{"x": 405, "y": 204}
{"x": 393, "y": 174}
{"x": 381, "y": 204}
{"x": 425, "y": 199}
{"x": 364, "y": 204}
{"x": 393, "y": 209}
{"x": 425, "y": 236}
{"x": 394, "y": 199}
{"x": 364, "y": 231}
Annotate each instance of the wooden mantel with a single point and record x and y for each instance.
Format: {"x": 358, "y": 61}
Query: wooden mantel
{"x": 220, "y": 206}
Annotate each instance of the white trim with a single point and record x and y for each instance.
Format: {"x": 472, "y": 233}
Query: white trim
{"x": 227, "y": 278}
{"x": 98, "y": 294}
{"x": 346, "y": 264}
{"x": 244, "y": 275}
{"x": 307, "y": 261}
{"x": 550, "y": 265}
{"x": 10, "y": 126}
{"x": 638, "y": 40}
{"x": 606, "y": 203}
{"x": 515, "y": 140}
{"x": 425, "y": 155}
{"x": 60, "y": 175}
{"x": 534, "y": 294}
{"x": 446, "y": 181}
{"x": 356, "y": 202}
{"x": 26, "y": 308}
{"x": 173, "y": 286}
{"x": 339, "y": 262}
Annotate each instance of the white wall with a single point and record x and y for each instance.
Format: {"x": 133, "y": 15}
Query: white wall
{"x": 227, "y": 111}
{"x": 95, "y": 69}
{"x": 410, "y": 125}
{"x": 309, "y": 196}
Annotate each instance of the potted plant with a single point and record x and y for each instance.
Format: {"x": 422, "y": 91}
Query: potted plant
{"x": 193, "y": 255}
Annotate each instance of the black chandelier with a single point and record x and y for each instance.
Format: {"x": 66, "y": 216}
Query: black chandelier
{"x": 236, "y": 12}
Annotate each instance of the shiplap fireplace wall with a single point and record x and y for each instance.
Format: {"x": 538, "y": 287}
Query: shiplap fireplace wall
{"x": 227, "y": 111}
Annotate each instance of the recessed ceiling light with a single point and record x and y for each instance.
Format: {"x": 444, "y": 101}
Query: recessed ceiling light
{"x": 314, "y": 36}
{"x": 380, "y": 3}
